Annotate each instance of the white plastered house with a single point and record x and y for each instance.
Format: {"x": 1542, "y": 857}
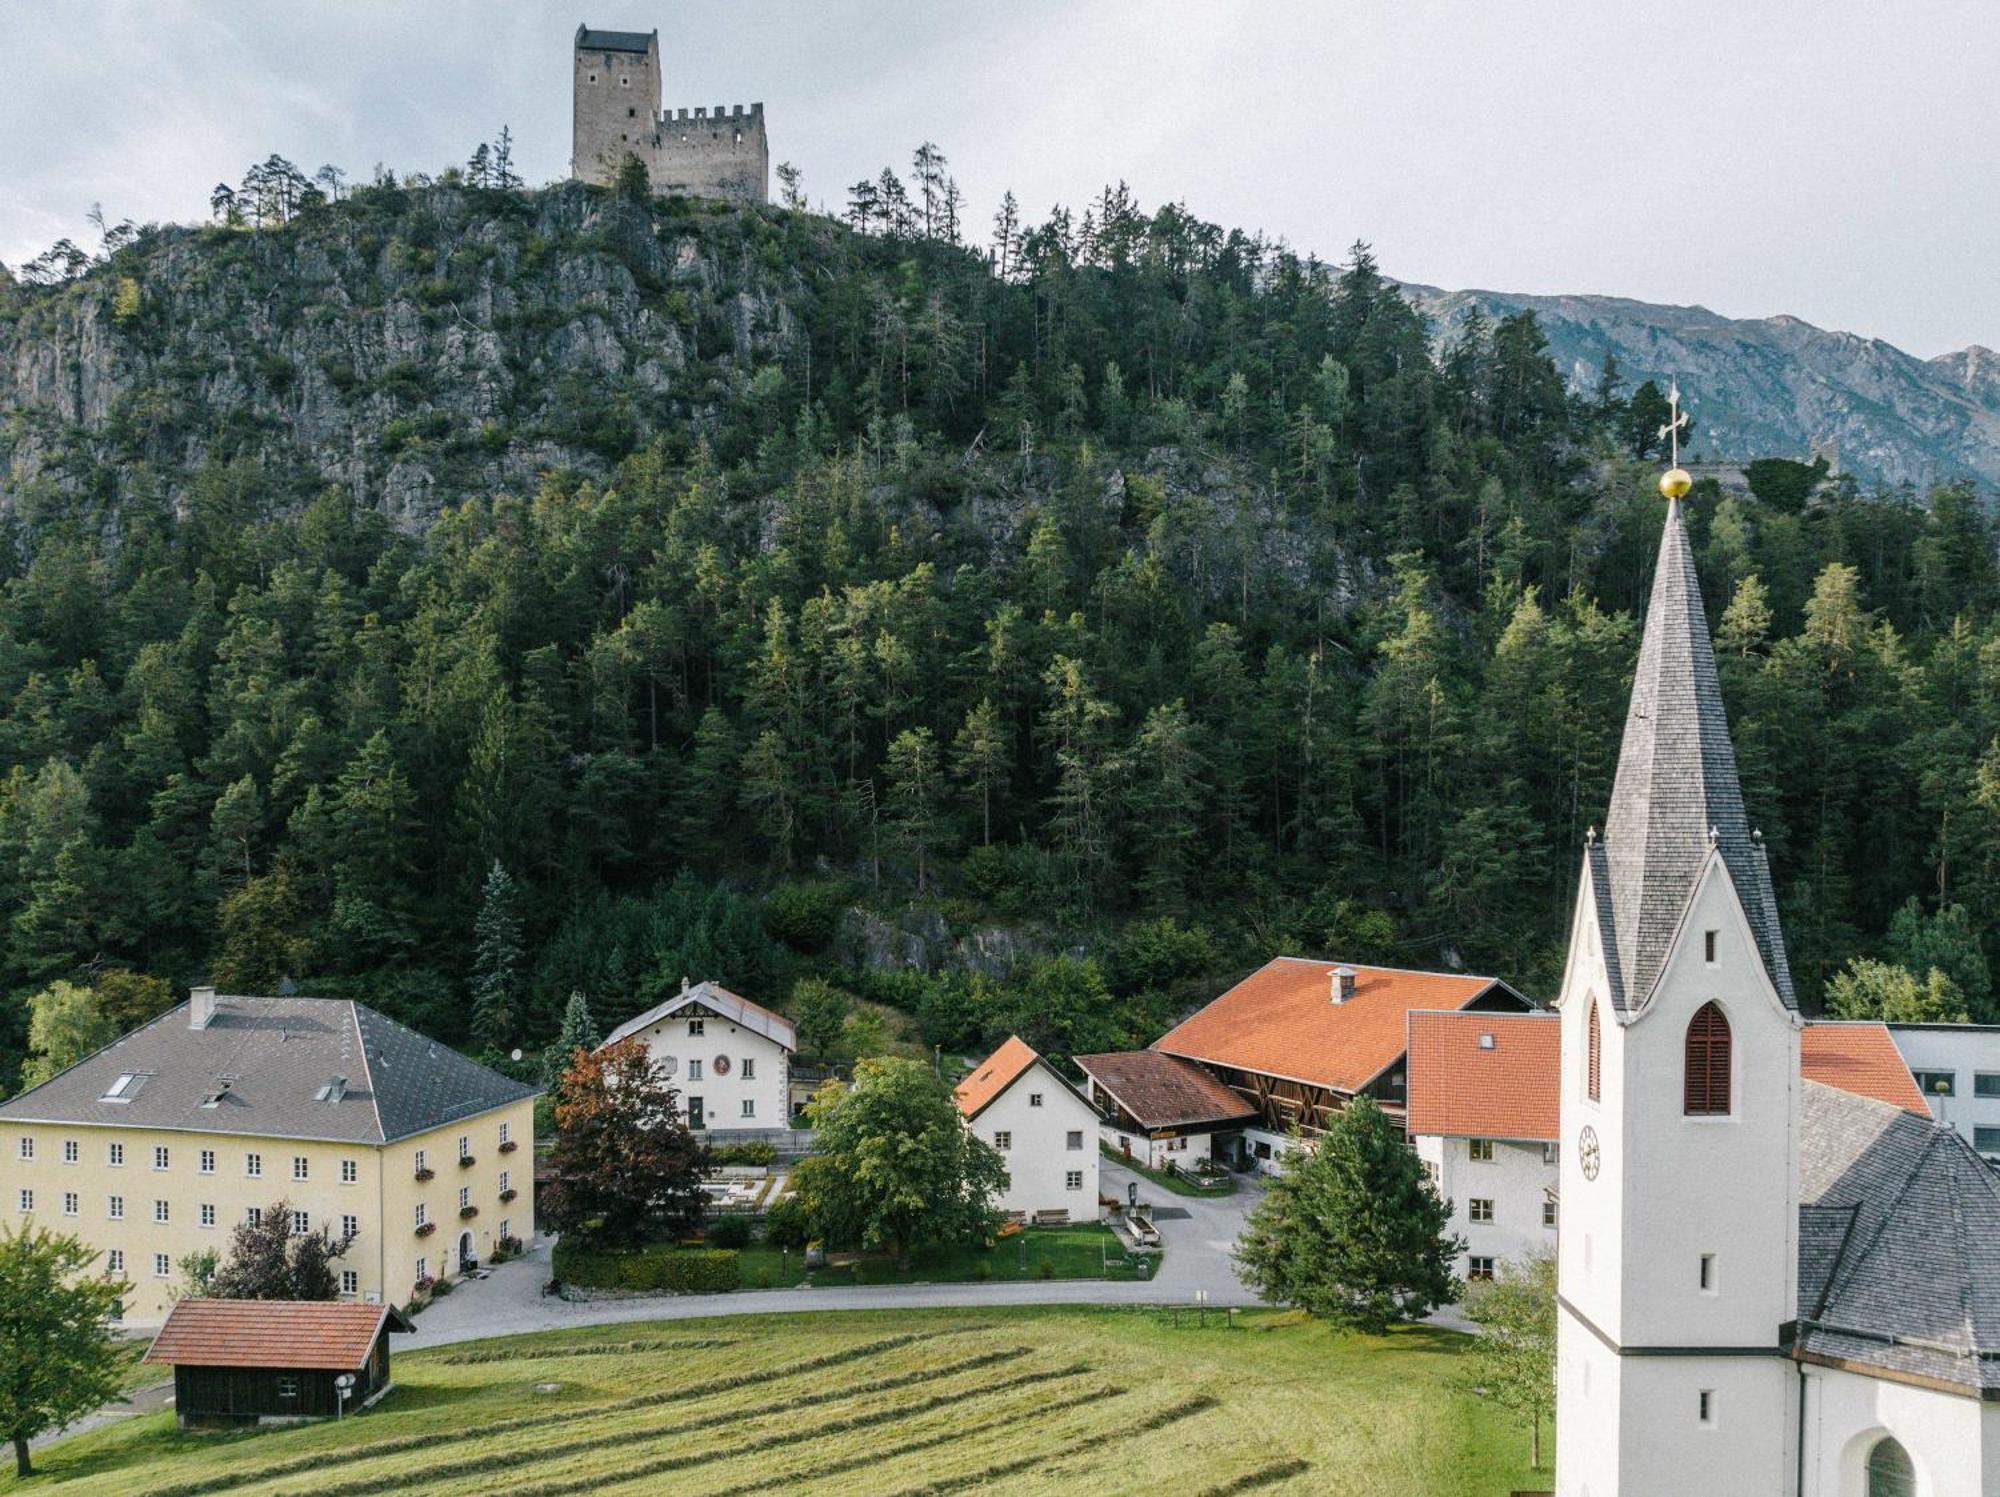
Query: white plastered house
{"x": 730, "y": 1058}
{"x": 1042, "y": 1128}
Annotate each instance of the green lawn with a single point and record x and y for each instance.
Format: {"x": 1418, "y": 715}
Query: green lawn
{"x": 1037, "y": 1401}
{"x": 1180, "y": 1183}
{"x": 1084, "y": 1251}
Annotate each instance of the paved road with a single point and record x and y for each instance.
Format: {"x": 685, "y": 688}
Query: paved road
{"x": 1196, "y": 1258}
{"x": 148, "y": 1400}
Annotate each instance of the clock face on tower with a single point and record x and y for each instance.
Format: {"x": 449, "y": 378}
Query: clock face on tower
{"x": 1588, "y": 1154}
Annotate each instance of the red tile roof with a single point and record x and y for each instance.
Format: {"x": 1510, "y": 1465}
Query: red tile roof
{"x": 336, "y": 1336}
{"x": 1461, "y": 1088}
{"x": 1862, "y": 1058}
{"x": 994, "y": 1075}
{"x": 1281, "y": 1020}
{"x": 1163, "y": 1091}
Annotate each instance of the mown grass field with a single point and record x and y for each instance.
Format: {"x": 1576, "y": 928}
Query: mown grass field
{"x": 1034, "y": 1401}
{"x": 1087, "y": 1250}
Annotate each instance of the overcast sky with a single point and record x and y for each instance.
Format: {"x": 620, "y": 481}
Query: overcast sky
{"x": 1834, "y": 160}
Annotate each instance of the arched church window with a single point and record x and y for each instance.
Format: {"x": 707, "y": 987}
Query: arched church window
{"x": 1707, "y": 1087}
{"x": 1594, "y": 1045}
{"x": 1890, "y": 1472}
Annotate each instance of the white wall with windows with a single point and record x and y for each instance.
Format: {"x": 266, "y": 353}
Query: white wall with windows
{"x": 729, "y": 1076}
{"x": 1501, "y": 1194}
{"x": 1047, "y": 1136}
{"x": 1957, "y": 1068}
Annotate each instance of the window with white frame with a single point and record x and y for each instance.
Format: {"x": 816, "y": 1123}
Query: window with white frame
{"x": 1479, "y": 1267}
{"x": 423, "y": 1213}
{"x": 464, "y": 1146}
{"x": 506, "y": 1133}
{"x": 506, "y": 1228}
{"x": 114, "y": 1155}
{"x": 1479, "y": 1209}
{"x": 301, "y": 1223}
{"x": 350, "y": 1227}
{"x": 420, "y": 1161}
{"x": 162, "y": 1212}
{"x": 288, "y": 1387}
{"x": 27, "y": 1199}
{"x": 350, "y": 1283}
{"x": 464, "y": 1196}
{"x": 1480, "y": 1150}
{"x": 423, "y": 1268}
{"x": 206, "y": 1163}
{"x": 1003, "y": 1139}
{"x": 27, "y": 1146}
{"x": 1073, "y": 1180}
{"x": 114, "y": 1207}
{"x": 254, "y": 1215}
{"x": 253, "y": 1166}
{"x": 72, "y": 1203}
{"x": 749, "y": 1108}
{"x": 160, "y": 1156}
{"x": 114, "y": 1261}
{"x": 1548, "y": 1213}
{"x": 694, "y": 1069}
{"x": 207, "y": 1213}
{"x": 163, "y": 1266}
{"x": 694, "y": 1028}
{"x": 350, "y": 1171}
{"x": 72, "y": 1151}
{"x": 301, "y": 1167}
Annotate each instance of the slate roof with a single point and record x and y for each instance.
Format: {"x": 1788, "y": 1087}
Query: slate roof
{"x": 1677, "y": 794}
{"x": 613, "y": 41}
{"x": 276, "y": 1056}
{"x": 334, "y": 1336}
{"x": 720, "y": 1001}
{"x": 1462, "y": 1088}
{"x": 1899, "y": 1244}
{"x": 1163, "y": 1091}
{"x": 1281, "y": 1020}
{"x": 1860, "y": 1056}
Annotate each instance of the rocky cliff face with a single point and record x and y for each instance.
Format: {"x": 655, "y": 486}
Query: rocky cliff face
{"x": 1776, "y": 386}
{"x": 427, "y": 347}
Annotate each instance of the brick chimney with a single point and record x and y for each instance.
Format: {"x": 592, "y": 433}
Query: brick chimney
{"x": 201, "y": 1007}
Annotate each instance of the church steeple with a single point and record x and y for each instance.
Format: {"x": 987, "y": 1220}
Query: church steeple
{"x": 1677, "y": 793}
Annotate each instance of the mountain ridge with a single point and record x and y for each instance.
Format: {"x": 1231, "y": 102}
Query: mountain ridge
{"x": 1773, "y": 386}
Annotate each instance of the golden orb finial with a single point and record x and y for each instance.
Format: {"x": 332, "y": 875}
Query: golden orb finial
{"x": 1674, "y": 483}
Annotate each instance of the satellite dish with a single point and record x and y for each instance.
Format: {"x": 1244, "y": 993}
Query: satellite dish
{"x": 517, "y": 1053}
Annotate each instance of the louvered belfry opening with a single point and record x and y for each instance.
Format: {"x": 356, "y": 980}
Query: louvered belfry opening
{"x": 1707, "y": 1086}
{"x": 1596, "y": 1051}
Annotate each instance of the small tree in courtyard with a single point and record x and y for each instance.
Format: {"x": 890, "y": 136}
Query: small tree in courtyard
{"x": 270, "y": 1258}
{"x": 1352, "y": 1230}
{"x": 626, "y": 1167}
{"x": 895, "y": 1165}
{"x": 57, "y": 1358}
{"x": 1514, "y": 1361}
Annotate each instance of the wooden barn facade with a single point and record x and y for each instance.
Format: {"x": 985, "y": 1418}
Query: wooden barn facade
{"x": 275, "y": 1361}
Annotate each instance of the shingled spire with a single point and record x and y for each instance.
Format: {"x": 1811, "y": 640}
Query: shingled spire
{"x": 1677, "y": 793}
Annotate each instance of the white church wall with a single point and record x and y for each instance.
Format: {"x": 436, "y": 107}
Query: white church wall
{"x": 1741, "y": 1449}
{"x": 1953, "y": 1440}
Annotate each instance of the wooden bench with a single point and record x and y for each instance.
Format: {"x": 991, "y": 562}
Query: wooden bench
{"x": 1057, "y": 1218}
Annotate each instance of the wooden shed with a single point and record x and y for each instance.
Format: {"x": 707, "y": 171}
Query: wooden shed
{"x": 241, "y": 1361}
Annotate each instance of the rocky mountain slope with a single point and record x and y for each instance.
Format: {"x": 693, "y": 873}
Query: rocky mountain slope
{"x": 1776, "y": 386}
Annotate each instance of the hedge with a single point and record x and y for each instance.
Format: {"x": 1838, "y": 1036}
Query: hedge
{"x": 670, "y": 1270}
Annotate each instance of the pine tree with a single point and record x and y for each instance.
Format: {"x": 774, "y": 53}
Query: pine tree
{"x": 496, "y": 966}
{"x": 578, "y": 1032}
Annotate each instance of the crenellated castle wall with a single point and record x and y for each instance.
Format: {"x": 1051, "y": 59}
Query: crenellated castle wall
{"x": 719, "y": 153}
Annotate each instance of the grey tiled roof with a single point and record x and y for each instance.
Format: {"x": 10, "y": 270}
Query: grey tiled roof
{"x": 715, "y": 999}
{"x": 612, "y": 41}
{"x": 276, "y": 1056}
{"x": 1899, "y": 1243}
{"x": 1677, "y": 787}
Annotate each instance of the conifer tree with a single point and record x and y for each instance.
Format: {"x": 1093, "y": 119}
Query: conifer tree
{"x": 496, "y": 960}
{"x": 578, "y": 1032}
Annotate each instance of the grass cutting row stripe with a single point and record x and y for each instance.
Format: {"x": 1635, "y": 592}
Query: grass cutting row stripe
{"x": 588, "y": 1349}
{"x": 570, "y": 1486}
{"x": 952, "y": 1436}
{"x": 1160, "y": 1419}
{"x": 516, "y": 1456}
{"x": 319, "y": 1461}
{"x": 1263, "y": 1476}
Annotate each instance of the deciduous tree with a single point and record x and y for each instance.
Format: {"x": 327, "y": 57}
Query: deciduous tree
{"x": 626, "y": 1168}
{"x": 57, "y": 1358}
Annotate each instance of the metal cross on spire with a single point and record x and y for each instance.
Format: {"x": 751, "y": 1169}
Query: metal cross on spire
{"x": 1677, "y": 423}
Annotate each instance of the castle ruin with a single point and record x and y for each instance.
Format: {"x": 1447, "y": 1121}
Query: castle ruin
{"x": 721, "y": 153}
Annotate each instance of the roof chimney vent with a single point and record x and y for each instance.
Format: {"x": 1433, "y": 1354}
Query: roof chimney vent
{"x": 1343, "y": 984}
{"x": 201, "y": 1007}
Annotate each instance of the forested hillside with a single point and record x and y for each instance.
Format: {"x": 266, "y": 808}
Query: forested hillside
{"x": 771, "y": 600}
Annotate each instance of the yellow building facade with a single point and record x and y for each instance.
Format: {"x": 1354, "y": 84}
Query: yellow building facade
{"x": 158, "y": 1146}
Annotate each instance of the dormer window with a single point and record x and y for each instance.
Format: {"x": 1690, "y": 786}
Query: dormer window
{"x": 333, "y": 1091}
{"x": 220, "y": 1090}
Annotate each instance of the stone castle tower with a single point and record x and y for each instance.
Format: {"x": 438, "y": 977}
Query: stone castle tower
{"x": 721, "y": 153}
